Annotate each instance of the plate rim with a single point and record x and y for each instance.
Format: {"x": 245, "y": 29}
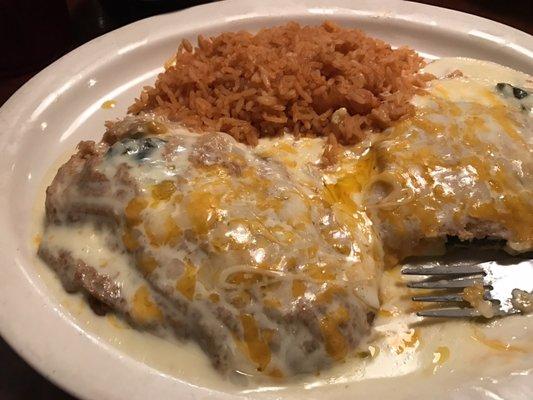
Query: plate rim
{"x": 15, "y": 106}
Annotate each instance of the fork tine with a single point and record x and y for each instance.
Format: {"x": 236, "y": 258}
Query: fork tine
{"x": 442, "y": 270}
{"x": 450, "y": 313}
{"x": 462, "y": 312}
{"x": 438, "y": 299}
{"x": 459, "y": 283}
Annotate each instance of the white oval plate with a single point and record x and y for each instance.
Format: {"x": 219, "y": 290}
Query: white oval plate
{"x": 61, "y": 106}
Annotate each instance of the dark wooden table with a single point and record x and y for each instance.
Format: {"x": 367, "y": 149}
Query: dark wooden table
{"x": 87, "y": 19}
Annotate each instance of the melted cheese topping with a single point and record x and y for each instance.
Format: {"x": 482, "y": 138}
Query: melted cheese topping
{"x": 462, "y": 165}
{"x": 264, "y": 231}
{"x": 255, "y": 255}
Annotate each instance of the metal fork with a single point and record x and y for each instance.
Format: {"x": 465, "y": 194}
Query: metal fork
{"x": 501, "y": 279}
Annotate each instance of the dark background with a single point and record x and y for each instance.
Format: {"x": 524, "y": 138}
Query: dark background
{"x": 34, "y": 33}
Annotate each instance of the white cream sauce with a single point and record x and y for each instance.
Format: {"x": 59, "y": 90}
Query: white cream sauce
{"x": 92, "y": 246}
{"x": 407, "y": 358}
